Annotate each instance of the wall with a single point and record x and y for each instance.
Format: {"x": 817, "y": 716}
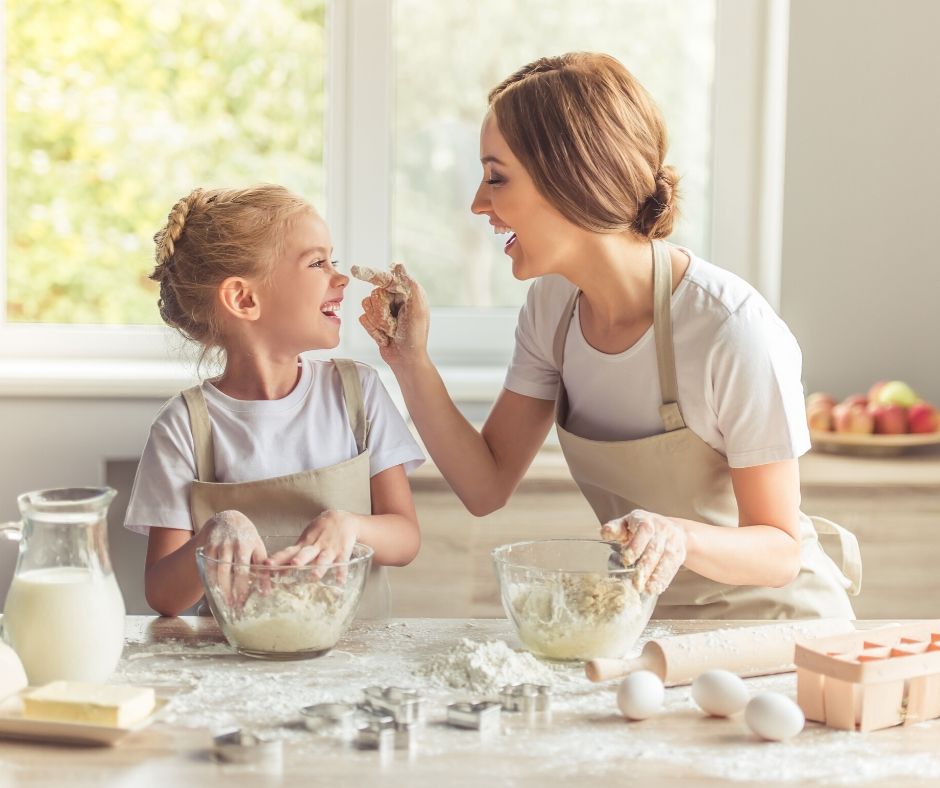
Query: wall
{"x": 860, "y": 274}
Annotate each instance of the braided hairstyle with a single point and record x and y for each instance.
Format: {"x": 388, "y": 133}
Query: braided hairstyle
{"x": 209, "y": 236}
{"x": 593, "y": 142}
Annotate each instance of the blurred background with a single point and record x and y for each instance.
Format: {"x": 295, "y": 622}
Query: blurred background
{"x": 805, "y": 133}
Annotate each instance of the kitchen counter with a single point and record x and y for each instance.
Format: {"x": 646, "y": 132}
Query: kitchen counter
{"x": 584, "y": 742}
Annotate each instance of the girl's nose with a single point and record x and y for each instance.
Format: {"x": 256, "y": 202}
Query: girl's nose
{"x": 481, "y": 200}
{"x": 340, "y": 280}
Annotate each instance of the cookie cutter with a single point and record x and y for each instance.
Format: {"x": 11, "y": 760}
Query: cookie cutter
{"x": 483, "y": 715}
{"x": 526, "y": 697}
{"x": 375, "y": 735}
{"x": 245, "y": 747}
{"x": 405, "y": 705}
{"x": 331, "y": 718}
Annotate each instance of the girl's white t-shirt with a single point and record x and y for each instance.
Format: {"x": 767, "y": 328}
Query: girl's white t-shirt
{"x": 738, "y": 369}
{"x": 258, "y": 439}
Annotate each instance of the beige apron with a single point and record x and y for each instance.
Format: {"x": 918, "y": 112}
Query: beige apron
{"x": 678, "y": 474}
{"x": 282, "y": 506}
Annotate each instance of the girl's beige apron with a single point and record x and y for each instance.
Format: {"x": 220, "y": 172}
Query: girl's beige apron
{"x": 678, "y": 474}
{"x": 281, "y": 507}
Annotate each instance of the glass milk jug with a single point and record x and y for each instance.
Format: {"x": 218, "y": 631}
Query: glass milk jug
{"x": 64, "y": 614}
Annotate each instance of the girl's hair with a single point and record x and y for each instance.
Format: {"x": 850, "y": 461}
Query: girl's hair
{"x": 210, "y": 236}
{"x": 593, "y": 142}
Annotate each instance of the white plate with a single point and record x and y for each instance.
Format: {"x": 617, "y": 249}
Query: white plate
{"x": 13, "y": 725}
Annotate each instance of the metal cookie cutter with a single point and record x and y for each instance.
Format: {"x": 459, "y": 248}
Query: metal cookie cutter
{"x": 484, "y": 715}
{"x": 244, "y": 747}
{"x": 376, "y": 734}
{"x": 526, "y": 697}
{"x": 405, "y": 705}
{"x": 331, "y": 718}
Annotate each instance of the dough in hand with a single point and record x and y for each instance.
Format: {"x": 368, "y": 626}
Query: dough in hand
{"x": 12, "y": 674}
{"x": 394, "y": 282}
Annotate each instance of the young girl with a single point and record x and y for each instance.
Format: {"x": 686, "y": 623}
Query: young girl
{"x": 281, "y": 459}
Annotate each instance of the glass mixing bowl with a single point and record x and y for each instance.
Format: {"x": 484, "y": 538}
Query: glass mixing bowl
{"x": 284, "y": 612}
{"x": 571, "y": 599}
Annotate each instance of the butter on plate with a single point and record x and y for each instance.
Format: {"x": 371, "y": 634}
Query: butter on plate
{"x": 115, "y": 705}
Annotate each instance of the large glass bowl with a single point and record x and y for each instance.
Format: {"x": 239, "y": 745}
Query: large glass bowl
{"x": 284, "y": 612}
{"x": 571, "y": 599}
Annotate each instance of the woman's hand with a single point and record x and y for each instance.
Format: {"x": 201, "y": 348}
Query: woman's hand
{"x": 395, "y": 314}
{"x": 230, "y": 537}
{"x": 656, "y": 544}
{"x": 327, "y": 540}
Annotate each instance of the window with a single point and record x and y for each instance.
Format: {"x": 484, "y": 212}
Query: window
{"x": 116, "y": 110}
{"x": 370, "y": 108}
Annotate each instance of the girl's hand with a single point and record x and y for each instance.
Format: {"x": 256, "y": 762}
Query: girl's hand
{"x": 395, "y": 314}
{"x": 656, "y": 544}
{"x": 328, "y": 539}
{"x": 230, "y": 537}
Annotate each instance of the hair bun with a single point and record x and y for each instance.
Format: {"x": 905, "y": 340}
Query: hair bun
{"x": 166, "y": 238}
{"x": 658, "y": 214}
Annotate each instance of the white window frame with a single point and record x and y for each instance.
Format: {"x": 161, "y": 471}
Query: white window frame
{"x": 472, "y": 346}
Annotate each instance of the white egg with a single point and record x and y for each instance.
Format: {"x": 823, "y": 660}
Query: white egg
{"x": 719, "y": 693}
{"x": 774, "y": 716}
{"x": 640, "y": 695}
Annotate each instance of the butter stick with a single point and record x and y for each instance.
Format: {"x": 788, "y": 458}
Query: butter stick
{"x": 115, "y": 705}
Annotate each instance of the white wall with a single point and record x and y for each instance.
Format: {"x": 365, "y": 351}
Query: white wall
{"x": 860, "y": 267}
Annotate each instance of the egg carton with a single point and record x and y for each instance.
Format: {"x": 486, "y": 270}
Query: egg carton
{"x": 871, "y": 679}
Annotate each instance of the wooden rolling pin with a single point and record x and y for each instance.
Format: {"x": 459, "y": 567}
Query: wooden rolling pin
{"x": 747, "y": 651}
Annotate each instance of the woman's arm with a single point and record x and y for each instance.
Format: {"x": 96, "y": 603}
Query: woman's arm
{"x": 763, "y": 551}
{"x": 483, "y": 468}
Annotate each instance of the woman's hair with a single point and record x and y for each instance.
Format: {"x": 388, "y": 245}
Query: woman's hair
{"x": 593, "y": 142}
{"x": 210, "y": 236}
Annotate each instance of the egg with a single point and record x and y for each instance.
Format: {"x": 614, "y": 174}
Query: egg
{"x": 773, "y": 716}
{"x": 640, "y": 695}
{"x": 719, "y": 693}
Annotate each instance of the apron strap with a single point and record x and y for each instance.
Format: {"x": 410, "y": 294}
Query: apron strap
{"x": 561, "y": 333}
{"x": 662, "y": 331}
{"x": 851, "y": 563}
{"x": 202, "y": 433}
{"x": 352, "y": 394}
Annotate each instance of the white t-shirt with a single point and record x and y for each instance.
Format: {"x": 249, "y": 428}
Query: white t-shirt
{"x": 258, "y": 439}
{"x": 738, "y": 369}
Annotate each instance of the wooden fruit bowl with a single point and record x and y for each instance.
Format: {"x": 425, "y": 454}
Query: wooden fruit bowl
{"x": 871, "y": 445}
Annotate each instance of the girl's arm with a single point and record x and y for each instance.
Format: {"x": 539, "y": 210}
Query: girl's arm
{"x": 171, "y": 576}
{"x": 391, "y": 530}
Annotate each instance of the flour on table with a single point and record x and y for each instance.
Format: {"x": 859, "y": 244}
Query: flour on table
{"x": 485, "y": 667}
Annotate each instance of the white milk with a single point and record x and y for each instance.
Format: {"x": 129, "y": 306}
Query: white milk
{"x": 65, "y": 623}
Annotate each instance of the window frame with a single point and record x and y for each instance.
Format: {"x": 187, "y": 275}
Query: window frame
{"x": 748, "y": 126}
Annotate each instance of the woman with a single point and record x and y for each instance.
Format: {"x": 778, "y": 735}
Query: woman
{"x": 674, "y": 387}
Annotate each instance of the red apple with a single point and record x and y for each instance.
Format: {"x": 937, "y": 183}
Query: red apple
{"x": 875, "y": 388}
{"x": 889, "y": 419}
{"x": 922, "y": 417}
{"x": 819, "y": 415}
{"x": 855, "y": 399}
{"x": 852, "y": 417}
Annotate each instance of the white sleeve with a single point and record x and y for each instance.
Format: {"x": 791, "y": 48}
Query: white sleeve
{"x": 532, "y": 371}
{"x": 160, "y": 495}
{"x": 755, "y": 368}
{"x": 390, "y": 441}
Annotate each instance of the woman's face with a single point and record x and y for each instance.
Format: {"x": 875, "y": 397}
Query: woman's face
{"x": 538, "y": 234}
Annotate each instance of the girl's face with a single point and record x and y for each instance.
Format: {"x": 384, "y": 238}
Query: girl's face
{"x": 300, "y": 303}
{"x": 539, "y": 236}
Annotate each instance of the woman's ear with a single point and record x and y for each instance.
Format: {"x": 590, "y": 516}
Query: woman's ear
{"x": 239, "y": 298}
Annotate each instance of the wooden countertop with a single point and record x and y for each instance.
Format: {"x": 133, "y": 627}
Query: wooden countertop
{"x": 585, "y": 741}
{"x": 917, "y": 469}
